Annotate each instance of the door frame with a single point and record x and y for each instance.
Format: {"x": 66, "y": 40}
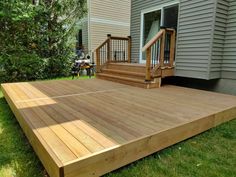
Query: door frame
{"x": 148, "y": 10}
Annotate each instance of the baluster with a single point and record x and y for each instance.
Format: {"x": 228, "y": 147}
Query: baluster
{"x": 129, "y": 49}
{"x": 115, "y": 50}
{"x": 162, "y": 48}
{"x": 112, "y": 52}
{"x": 108, "y": 47}
{"x": 98, "y": 59}
{"x": 172, "y": 48}
{"x": 123, "y": 49}
{"x": 148, "y": 63}
{"x": 118, "y": 50}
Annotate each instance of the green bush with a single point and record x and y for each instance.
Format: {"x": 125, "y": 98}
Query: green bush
{"x": 21, "y": 67}
{"x": 59, "y": 66}
{"x": 35, "y": 38}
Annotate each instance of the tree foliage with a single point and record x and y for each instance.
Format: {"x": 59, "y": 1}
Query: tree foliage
{"x": 35, "y": 37}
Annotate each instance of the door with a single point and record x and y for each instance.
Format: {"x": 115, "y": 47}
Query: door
{"x": 166, "y": 16}
{"x": 151, "y": 26}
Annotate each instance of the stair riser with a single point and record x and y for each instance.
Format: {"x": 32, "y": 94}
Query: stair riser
{"x": 127, "y": 68}
{"x": 141, "y": 85}
{"x": 123, "y": 81}
{"x": 124, "y": 75}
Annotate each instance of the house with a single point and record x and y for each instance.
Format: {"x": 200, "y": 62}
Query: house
{"x": 205, "y": 38}
{"x": 87, "y": 128}
{"x": 103, "y": 17}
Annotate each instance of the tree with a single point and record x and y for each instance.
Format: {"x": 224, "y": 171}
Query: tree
{"x": 34, "y": 37}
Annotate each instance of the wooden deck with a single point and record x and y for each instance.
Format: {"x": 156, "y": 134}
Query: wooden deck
{"x": 91, "y": 127}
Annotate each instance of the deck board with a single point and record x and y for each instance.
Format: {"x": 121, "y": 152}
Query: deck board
{"x": 91, "y": 127}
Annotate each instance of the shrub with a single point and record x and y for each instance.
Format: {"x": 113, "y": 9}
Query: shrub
{"x": 21, "y": 67}
{"x": 59, "y": 66}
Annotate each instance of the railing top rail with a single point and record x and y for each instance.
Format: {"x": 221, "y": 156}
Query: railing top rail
{"x": 153, "y": 40}
{"x": 102, "y": 44}
{"x": 170, "y": 30}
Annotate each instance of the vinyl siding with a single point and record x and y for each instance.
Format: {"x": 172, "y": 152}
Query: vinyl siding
{"x": 116, "y": 10}
{"x": 218, "y": 39}
{"x": 108, "y": 17}
{"x": 194, "y": 35}
{"x": 98, "y": 33}
{"x": 194, "y": 38}
{"x": 229, "y": 56}
{"x": 136, "y": 7}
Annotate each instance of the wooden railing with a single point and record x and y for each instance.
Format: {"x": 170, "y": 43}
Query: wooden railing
{"x": 160, "y": 52}
{"x": 113, "y": 49}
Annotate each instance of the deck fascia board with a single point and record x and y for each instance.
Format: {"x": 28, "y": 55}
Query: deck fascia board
{"x": 117, "y": 157}
{"x": 51, "y": 164}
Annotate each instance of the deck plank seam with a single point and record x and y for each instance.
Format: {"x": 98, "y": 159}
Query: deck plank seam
{"x": 68, "y": 95}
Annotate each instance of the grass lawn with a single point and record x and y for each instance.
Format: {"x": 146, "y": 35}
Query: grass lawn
{"x": 211, "y": 154}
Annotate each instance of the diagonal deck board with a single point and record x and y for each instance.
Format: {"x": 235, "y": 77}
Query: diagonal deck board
{"x": 90, "y": 127}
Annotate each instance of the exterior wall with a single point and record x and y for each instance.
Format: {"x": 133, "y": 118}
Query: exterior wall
{"x": 136, "y": 7}
{"x": 194, "y": 38}
{"x": 84, "y": 27}
{"x": 108, "y": 17}
{"x": 194, "y": 35}
{"x": 229, "y": 55}
{"x": 218, "y": 38}
{"x": 206, "y": 42}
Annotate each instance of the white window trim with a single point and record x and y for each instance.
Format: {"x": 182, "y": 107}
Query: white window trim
{"x": 148, "y": 10}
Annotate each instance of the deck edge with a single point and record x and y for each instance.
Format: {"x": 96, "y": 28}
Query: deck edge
{"x": 52, "y": 166}
{"x": 117, "y": 157}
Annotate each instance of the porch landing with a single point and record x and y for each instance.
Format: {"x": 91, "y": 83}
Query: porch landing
{"x": 91, "y": 127}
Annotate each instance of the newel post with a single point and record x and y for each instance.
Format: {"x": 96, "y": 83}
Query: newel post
{"x": 163, "y": 48}
{"x": 148, "y": 64}
{"x": 172, "y": 48}
{"x": 108, "y": 47}
{"x": 98, "y": 65}
{"x": 129, "y": 49}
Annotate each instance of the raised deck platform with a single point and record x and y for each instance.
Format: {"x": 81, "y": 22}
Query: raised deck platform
{"x": 91, "y": 127}
{"x": 133, "y": 74}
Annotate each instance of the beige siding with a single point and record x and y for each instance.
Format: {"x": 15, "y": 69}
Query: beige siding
{"x": 116, "y": 10}
{"x": 99, "y": 33}
{"x": 108, "y": 17}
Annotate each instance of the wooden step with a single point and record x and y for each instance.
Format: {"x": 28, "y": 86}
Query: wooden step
{"x": 137, "y": 75}
{"x": 128, "y": 81}
{"x": 131, "y": 67}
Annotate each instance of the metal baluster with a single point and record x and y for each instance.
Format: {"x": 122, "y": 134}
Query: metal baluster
{"x": 118, "y": 50}
{"x": 112, "y": 51}
{"x": 123, "y": 49}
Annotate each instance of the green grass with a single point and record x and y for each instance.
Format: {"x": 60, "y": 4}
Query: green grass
{"x": 211, "y": 154}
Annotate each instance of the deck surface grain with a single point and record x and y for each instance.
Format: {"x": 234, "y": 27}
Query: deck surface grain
{"x": 79, "y": 125}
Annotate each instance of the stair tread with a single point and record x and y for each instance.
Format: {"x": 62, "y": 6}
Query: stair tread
{"x": 125, "y": 72}
{"x": 129, "y": 64}
{"x": 123, "y": 78}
